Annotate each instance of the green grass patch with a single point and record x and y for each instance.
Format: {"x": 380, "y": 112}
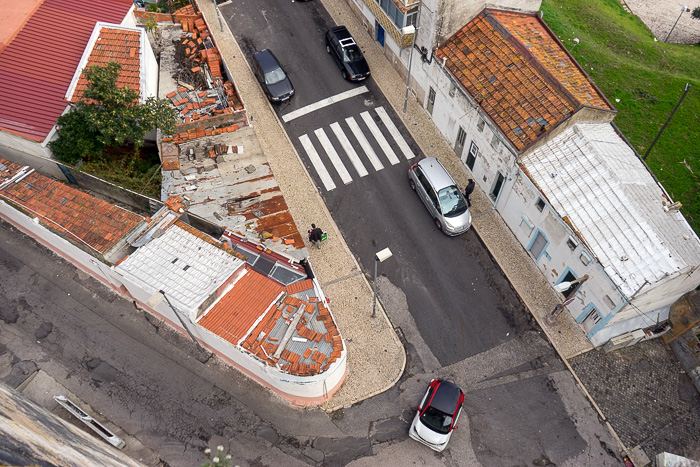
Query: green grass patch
{"x": 648, "y": 77}
{"x": 140, "y": 173}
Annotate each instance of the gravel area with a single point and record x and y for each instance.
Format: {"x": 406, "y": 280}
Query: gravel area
{"x": 660, "y": 15}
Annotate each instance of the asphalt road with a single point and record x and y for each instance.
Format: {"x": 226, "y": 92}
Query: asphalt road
{"x": 168, "y": 402}
{"x": 460, "y": 302}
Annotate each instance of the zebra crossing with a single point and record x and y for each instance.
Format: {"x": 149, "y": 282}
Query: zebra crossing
{"x": 354, "y": 152}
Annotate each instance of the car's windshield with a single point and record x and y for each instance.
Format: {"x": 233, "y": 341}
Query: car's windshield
{"x": 437, "y": 421}
{"x": 452, "y": 202}
{"x": 351, "y": 53}
{"x": 274, "y": 76}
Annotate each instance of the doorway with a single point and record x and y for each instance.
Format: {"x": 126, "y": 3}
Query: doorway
{"x": 459, "y": 144}
{"x": 431, "y": 100}
{"x": 538, "y": 245}
{"x": 380, "y": 33}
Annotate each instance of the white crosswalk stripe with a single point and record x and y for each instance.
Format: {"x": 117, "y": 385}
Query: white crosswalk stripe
{"x": 317, "y": 163}
{"x": 400, "y": 142}
{"x": 333, "y": 156}
{"x": 377, "y": 133}
{"x": 349, "y": 150}
{"x": 364, "y": 144}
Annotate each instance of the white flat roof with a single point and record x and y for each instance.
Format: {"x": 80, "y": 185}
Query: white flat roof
{"x": 186, "y": 267}
{"x": 590, "y": 175}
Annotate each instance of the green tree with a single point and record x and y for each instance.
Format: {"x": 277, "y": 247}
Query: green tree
{"x": 108, "y": 115}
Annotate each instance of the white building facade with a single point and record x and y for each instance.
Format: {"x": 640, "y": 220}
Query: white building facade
{"x": 574, "y": 193}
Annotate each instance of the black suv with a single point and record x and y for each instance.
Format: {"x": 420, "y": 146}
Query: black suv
{"x": 341, "y": 45}
{"x": 274, "y": 80}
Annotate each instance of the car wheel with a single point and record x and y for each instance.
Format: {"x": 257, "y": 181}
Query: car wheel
{"x": 412, "y": 184}
{"x": 328, "y": 48}
{"x": 345, "y": 74}
{"x": 438, "y": 224}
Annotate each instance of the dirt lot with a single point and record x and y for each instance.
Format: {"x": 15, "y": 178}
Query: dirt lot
{"x": 659, "y": 16}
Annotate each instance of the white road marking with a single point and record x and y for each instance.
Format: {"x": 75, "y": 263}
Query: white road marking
{"x": 355, "y": 128}
{"x": 317, "y": 163}
{"x": 349, "y": 150}
{"x": 333, "y": 156}
{"x": 377, "y": 133}
{"x": 395, "y": 133}
{"x": 324, "y": 103}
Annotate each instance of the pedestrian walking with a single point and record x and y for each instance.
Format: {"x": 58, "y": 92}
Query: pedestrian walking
{"x": 315, "y": 236}
{"x": 468, "y": 191}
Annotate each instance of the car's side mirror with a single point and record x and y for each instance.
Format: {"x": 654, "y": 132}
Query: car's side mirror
{"x": 455, "y": 427}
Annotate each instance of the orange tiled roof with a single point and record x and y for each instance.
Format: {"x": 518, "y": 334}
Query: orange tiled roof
{"x": 300, "y": 286}
{"x": 115, "y": 45}
{"x": 233, "y": 315}
{"x": 519, "y": 74}
{"x": 77, "y": 215}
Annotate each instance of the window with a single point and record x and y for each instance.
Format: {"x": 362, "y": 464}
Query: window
{"x": 395, "y": 14}
{"x": 538, "y": 245}
{"x": 471, "y": 157}
{"x": 585, "y": 259}
{"x": 540, "y": 204}
{"x": 571, "y": 243}
{"x": 451, "y": 203}
{"x": 497, "y": 186}
{"x": 451, "y": 122}
{"x": 526, "y": 225}
{"x": 591, "y": 319}
{"x": 453, "y": 88}
{"x": 480, "y": 125}
{"x": 494, "y": 141}
{"x": 411, "y": 17}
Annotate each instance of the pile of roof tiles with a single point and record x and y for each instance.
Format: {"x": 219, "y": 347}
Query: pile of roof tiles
{"x": 313, "y": 361}
{"x": 193, "y": 106}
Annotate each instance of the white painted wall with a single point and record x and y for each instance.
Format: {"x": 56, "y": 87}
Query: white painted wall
{"x": 25, "y": 151}
{"x": 58, "y": 245}
{"x": 301, "y": 390}
{"x": 454, "y": 109}
{"x": 149, "y": 69}
{"x": 455, "y": 14}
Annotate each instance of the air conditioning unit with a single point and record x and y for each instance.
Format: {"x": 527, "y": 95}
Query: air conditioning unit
{"x": 624, "y": 340}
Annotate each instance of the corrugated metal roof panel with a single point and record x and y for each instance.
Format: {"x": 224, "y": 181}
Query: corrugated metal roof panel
{"x": 36, "y": 68}
{"x": 590, "y": 175}
{"x": 188, "y": 268}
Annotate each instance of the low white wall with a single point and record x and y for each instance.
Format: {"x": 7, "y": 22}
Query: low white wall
{"x": 298, "y": 390}
{"x": 58, "y": 245}
{"x": 27, "y": 152}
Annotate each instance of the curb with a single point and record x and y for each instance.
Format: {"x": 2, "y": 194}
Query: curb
{"x": 400, "y": 114}
{"x": 323, "y": 206}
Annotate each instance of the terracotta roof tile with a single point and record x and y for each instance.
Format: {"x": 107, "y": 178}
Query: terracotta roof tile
{"x": 75, "y": 214}
{"x": 234, "y": 314}
{"x": 519, "y": 73}
{"x": 119, "y": 45}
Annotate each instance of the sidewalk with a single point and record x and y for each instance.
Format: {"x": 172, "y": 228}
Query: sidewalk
{"x": 376, "y": 357}
{"x": 521, "y": 271}
{"x": 371, "y": 370}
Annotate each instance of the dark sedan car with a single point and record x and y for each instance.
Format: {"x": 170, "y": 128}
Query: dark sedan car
{"x": 348, "y": 56}
{"x": 274, "y": 80}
